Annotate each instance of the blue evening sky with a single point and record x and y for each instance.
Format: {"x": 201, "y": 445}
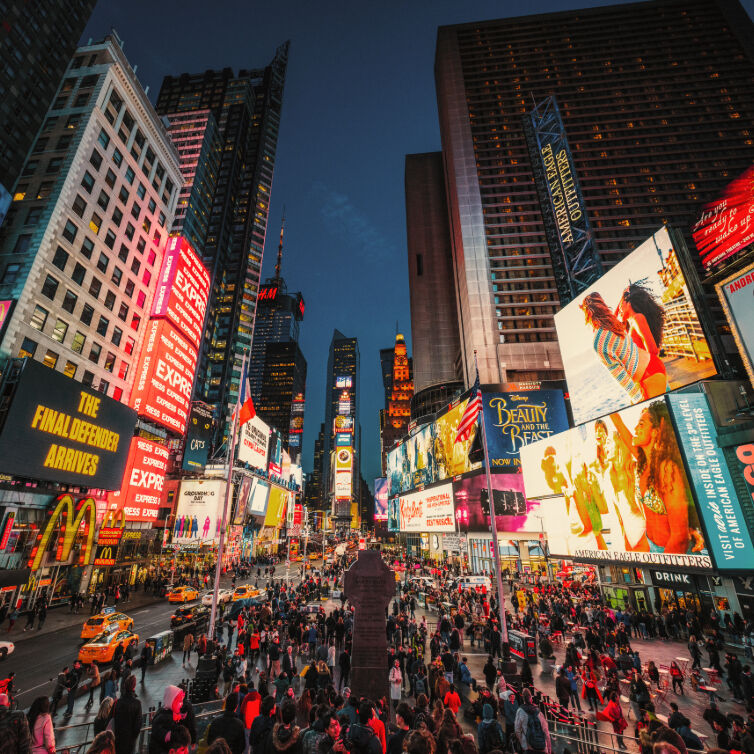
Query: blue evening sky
{"x": 359, "y": 96}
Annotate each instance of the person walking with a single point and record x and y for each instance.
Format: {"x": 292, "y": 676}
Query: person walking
{"x": 614, "y": 715}
{"x": 147, "y": 655}
{"x": 531, "y": 727}
{"x": 396, "y": 683}
{"x": 92, "y": 674}
{"x": 42, "y": 616}
{"x": 188, "y": 643}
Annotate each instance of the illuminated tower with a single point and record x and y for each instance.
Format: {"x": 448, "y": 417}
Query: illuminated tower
{"x": 394, "y": 418}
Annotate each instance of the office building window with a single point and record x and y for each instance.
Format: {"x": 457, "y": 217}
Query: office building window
{"x": 79, "y": 205}
{"x": 95, "y": 287}
{"x": 77, "y": 344}
{"x": 60, "y": 330}
{"x": 50, "y": 359}
{"x": 70, "y": 369}
{"x": 38, "y": 317}
{"x": 50, "y": 287}
{"x": 69, "y": 301}
{"x": 110, "y": 361}
{"x": 102, "y": 326}
{"x": 69, "y": 231}
{"x": 60, "y": 258}
{"x": 78, "y": 274}
{"x": 28, "y": 348}
{"x": 88, "y": 378}
{"x": 87, "y": 247}
{"x": 94, "y": 353}
{"x": 86, "y": 314}
{"x": 117, "y": 335}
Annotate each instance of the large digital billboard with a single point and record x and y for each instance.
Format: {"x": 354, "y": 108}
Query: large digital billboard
{"x": 141, "y": 491}
{"x": 428, "y": 510}
{"x": 6, "y": 307}
{"x": 164, "y": 377}
{"x": 726, "y": 225}
{"x": 514, "y": 419}
{"x": 514, "y": 513}
{"x": 58, "y": 430}
{"x": 394, "y": 514}
{"x": 343, "y": 473}
{"x": 380, "y": 499}
{"x": 253, "y": 443}
{"x": 199, "y": 514}
{"x": 198, "y": 437}
{"x": 275, "y": 465}
{"x": 737, "y": 297}
{"x": 260, "y": 491}
{"x": 619, "y": 491}
{"x": 182, "y": 290}
{"x": 727, "y": 532}
{"x": 632, "y": 335}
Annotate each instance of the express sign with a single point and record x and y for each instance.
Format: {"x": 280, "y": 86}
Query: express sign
{"x": 140, "y": 494}
{"x": 164, "y": 377}
{"x": 183, "y": 290}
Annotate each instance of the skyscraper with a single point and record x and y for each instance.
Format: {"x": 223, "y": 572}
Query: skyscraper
{"x": 658, "y": 112}
{"x": 342, "y": 429}
{"x": 247, "y": 108}
{"x": 394, "y": 418}
{"x": 434, "y": 317}
{"x": 81, "y": 249}
{"x": 36, "y": 44}
{"x": 197, "y": 139}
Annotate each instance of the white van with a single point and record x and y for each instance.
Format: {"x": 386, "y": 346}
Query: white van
{"x": 474, "y": 582}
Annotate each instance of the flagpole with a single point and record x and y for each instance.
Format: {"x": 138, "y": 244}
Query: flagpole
{"x": 493, "y": 521}
{"x": 228, "y": 493}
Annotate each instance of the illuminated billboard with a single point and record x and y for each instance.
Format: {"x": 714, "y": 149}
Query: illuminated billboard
{"x": 343, "y": 424}
{"x": 275, "y": 466}
{"x": 182, "y": 290}
{"x": 141, "y": 491}
{"x": 737, "y": 297}
{"x": 619, "y": 491}
{"x": 632, "y": 335}
{"x": 514, "y": 513}
{"x": 514, "y": 419}
{"x": 276, "y": 507}
{"x": 6, "y": 307}
{"x": 428, "y": 510}
{"x": 717, "y": 502}
{"x": 260, "y": 491}
{"x": 253, "y": 443}
{"x": 58, "y": 430}
{"x": 199, "y": 514}
{"x": 726, "y": 225}
{"x": 380, "y": 499}
{"x": 343, "y": 440}
{"x": 343, "y": 473}
{"x": 164, "y": 377}
{"x": 198, "y": 437}
{"x": 343, "y": 381}
{"x": 394, "y": 514}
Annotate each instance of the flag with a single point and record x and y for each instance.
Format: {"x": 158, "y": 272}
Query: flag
{"x": 246, "y": 410}
{"x": 471, "y": 414}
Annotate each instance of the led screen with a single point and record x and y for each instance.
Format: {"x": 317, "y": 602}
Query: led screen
{"x": 633, "y": 335}
{"x": 737, "y": 296}
{"x": 380, "y": 499}
{"x": 725, "y": 225}
{"x": 200, "y": 511}
{"x": 428, "y": 510}
{"x": 619, "y": 491}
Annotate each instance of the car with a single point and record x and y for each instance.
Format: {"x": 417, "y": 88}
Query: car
{"x": 182, "y": 594}
{"x": 313, "y": 556}
{"x": 244, "y": 592}
{"x": 102, "y": 647}
{"x": 105, "y": 621}
{"x": 223, "y": 595}
{"x": 296, "y": 559}
{"x": 6, "y": 648}
{"x": 194, "y": 614}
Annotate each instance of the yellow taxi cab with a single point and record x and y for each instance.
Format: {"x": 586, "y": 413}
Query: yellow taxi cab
{"x": 244, "y": 591}
{"x": 296, "y": 559}
{"x": 102, "y": 647}
{"x": 104, "y": 622}
{"x": 313, "y": 556}
{"x": 183, "y": 594}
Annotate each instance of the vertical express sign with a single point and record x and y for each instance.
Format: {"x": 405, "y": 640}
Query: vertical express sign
{"x": 515, "y": 419}
{"x": 717, "y": 502}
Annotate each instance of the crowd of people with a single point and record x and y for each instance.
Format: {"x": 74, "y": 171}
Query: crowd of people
{"x": 283, "y": 668}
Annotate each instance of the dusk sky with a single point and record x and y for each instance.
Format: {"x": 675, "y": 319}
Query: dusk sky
{"x": 359, "y": 96}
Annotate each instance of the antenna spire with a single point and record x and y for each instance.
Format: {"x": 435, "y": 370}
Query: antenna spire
{"x": 280, "y": 247}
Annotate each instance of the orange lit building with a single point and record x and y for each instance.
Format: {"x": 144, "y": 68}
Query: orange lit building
{"x": 398, "y": 379}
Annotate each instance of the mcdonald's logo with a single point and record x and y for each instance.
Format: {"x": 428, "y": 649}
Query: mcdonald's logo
{"x": 64, "y": 513}
{"x": 115, "y": 519}
{"x": 105, "y": 556}
{"x": 112, "y": 527}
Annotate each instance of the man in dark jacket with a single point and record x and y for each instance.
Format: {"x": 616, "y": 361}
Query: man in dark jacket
{"x": 344, "y": 664}
{"x": 127, "y": 718}
{"x": 286, "y": 735}
{"x": 228, "y": 726}
{"x": 176, "y": 712}
{"x": 262, "y": 726}
{"x": 362, "y": 739}
{"x": 14, "y": 729}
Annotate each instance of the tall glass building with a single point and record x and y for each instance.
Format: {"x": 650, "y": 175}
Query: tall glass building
{"x": 658, "y": 108}
{"x": 247, "y": 109}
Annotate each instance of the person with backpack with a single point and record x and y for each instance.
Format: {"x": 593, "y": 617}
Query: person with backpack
{"x": 489, "y": 732}
{"x": 15, "y": 737}
{"x": 531, "y": 727}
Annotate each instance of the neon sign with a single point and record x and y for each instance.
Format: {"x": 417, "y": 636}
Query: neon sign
{"x": 68, "y": 532}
